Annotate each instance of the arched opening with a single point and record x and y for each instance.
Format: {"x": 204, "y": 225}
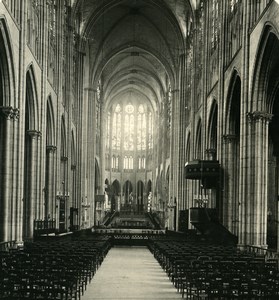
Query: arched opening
{"x": 212, "y": 184}
{"x": 115, "y": 197}
{"x": 212, "y": 133}
{"x": 74, "y": 213}
{"x": 269, "y": 94}
{"x": 64, "y": 195}
{"x": 7, "y": 112}
{"x": 232, "y": 163}
{"x": 149, "y": 196}
{"x": 128, "y": 195}
{"x": 140, "y": 197}
{"x": 198, "y": 142}
{"x": 30, "y": 141}
{"x": 50, "y": 164}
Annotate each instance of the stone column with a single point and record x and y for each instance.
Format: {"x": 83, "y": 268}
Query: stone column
{"x": 33, "y": 174}
{"x": 50, "y": 189}
{"x": 230, "y": 209}
{"x": 6, "y": 172}
{"x": 258, "y": 206}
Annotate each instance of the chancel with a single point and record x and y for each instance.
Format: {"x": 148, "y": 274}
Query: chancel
{"x": 139, "y": 149}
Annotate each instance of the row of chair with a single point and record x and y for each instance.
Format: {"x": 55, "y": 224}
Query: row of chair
{"x": 200, "y": 270}
{"x": 50, "y": 270}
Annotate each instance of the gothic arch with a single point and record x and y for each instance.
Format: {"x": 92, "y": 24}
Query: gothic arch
{"x": 149, "y": 186}
{"x": 231, "y": 164}
{"x": 198, "y": 141}
{"x": 188, "y": 148}
{"x": 233, "y": 105}
{"x": 73, "y": 149}
{"x": 50, "y": 123}
{"x": 97, "y": 177}
{"x": 265, "y": 83}
{"x": 140, "y": 196}
{"x": 30, "y": 160}
{"x": 7, "y": 74}
{"x": 116, "y": 187}
{"x": 7, "y": 99}
{"x": 73, "y": 171}
{"x": 127, "y": 191}
{"x": 63, "y": 138}
{"x": 50, "y": 189}
{"x": 31, "y": 101}
{"x": 212, "y": 130}
{"x": 265, "y": 121}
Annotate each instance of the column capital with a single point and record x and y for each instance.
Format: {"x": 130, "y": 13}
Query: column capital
{"x": 51, "y": 148}
{"x": 9, "y": 112}
{"x": 34, "y": 134}
{"x": 256, "y": 116}
{"x": 16, "y": 113}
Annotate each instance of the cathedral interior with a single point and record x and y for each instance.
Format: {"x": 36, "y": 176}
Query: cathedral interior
{"x": 152, "y": 123}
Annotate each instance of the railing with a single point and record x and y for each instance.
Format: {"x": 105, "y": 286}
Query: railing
{"x": 5, "y": 246}
{"x": 44, "y": 227}
{"x": 269, "y": 254}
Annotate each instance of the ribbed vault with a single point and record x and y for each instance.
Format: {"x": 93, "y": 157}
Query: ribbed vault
{"x": 134, "y": 45}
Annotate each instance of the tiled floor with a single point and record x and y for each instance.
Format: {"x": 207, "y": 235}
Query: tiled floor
{"x": 130, "y": 273}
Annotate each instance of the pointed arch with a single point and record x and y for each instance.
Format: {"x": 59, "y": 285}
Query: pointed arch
{"x": 233, "y": 105}
{"x": 97, "y": 176}
{"x": 188, "y": 148}
{"x": 7, "y": 110}
{"x": 7, "y": 73}
{"x": 265, "y": 85}
{"x": 231, "y": 164}
{"x": 140, "y": 196}
{"x": 212, "y": 130}
{"x": 63, "y": 140}
{"x": 198, "y": 142}
{"x": 31, "y": 100}
{"x": 116, "y": 187}
{"x": 50, "y": 123}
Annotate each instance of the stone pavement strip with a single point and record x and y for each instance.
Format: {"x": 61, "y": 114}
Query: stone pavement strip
{"x": 130, "y": 273}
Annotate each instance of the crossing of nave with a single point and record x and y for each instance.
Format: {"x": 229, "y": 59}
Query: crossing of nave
{"x": 130, "y": 273}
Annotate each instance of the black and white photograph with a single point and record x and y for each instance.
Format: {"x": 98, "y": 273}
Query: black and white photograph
{"x": 139, "y": 149}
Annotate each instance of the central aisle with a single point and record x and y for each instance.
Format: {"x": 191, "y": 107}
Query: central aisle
{"x": 130, "y": 273}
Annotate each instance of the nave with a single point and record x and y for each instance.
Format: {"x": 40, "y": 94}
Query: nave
{"x": 169, "y": 266}
{"x": 130, "y": 273}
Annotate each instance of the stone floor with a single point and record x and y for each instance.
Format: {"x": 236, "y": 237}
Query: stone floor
{"x": 130, "y": 273}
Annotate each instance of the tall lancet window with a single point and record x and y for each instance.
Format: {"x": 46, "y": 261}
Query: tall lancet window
{"x": 108, "y": 131}
{"x": 150, "y": 131}
{"x": 116, "y": 128}
{"x": 129, "y": 127}
{"x": 141, "y": 135}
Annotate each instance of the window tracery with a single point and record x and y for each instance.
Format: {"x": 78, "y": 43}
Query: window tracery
{"x": 129, "y": 129}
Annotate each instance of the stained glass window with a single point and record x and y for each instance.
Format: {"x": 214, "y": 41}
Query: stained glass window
{"x": 129, "y": 127}
{"x": 150, "y": 131}
{"x": 128, "y": 162}
{"x": 215, "y": 27}
{"x": 108, "y": 131}
{"x": 169, "y": 105}
{"x": 116, "y": 128}
{"x": 141, "y": 134}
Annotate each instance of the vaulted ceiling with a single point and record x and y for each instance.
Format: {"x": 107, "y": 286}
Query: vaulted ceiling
{"x": 134, "y": 46}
